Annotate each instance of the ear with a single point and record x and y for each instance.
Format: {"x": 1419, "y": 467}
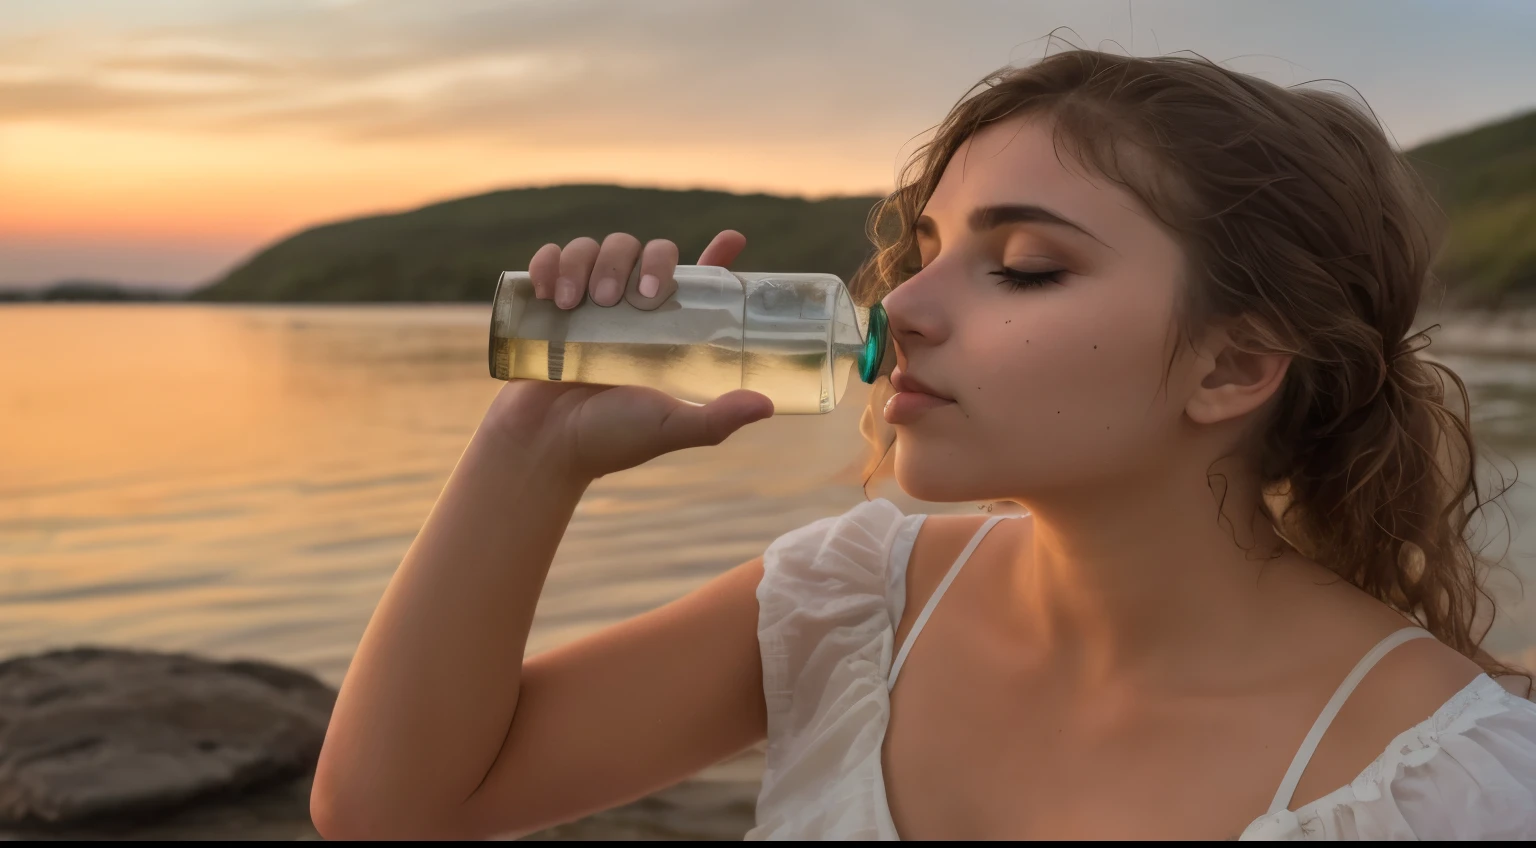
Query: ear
{"x": 1233, "y": 382}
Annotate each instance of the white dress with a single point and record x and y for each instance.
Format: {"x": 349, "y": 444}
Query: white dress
{"x": 833, "y": 591}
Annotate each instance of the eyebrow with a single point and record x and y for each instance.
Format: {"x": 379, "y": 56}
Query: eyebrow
{"x": 984, "y": 218}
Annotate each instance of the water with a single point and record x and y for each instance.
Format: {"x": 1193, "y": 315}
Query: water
{"x": 696, "y": 373}
{"x": 242, "y": 481}
{"x": 793, "y": 337}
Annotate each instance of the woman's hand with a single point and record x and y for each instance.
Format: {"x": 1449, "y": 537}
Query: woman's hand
{"x": 619, "y": 268}
{"x": 602, "y": 429}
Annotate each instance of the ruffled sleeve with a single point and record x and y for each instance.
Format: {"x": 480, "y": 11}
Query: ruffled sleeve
{"x": 1466, "y": 772}
{"x": 826, "y": 639}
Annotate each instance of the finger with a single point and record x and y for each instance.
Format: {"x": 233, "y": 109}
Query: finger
{"x": 689, "y": 426}
{"x": 544, "y": 269}
{"x": 575, "y": 270}
{"x": 723, "y": 249}
{"x": 658, "y": 262}
{"x": 619, "y": 254}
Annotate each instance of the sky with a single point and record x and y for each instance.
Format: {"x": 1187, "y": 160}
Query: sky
{"x": 162, "y": 141}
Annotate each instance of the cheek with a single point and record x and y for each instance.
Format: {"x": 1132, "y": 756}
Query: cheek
{"x": 1072, "y": 386}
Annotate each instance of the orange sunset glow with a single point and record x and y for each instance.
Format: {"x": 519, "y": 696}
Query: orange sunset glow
{"x": 261, "y": 185}
{"x": 161, "y": 142}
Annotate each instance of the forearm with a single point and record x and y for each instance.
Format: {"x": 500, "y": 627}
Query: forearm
{"x": 431, "y": 691}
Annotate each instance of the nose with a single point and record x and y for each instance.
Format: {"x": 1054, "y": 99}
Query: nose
{"x": 916, "y": 315}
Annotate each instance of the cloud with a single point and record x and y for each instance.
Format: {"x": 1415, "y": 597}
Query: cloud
{"x": 572, "y": 72}
{"x": 668, "y": 70}
{"x": 193, "y": 64}
{"x": 64, "y": 97}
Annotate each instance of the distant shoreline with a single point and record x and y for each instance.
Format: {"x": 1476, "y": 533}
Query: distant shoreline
{"x": 89, "y": 291}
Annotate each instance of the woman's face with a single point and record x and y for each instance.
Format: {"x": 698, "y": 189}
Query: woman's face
{"x": 1058, "y": 382}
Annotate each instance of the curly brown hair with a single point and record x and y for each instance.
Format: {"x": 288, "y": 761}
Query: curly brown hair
{"x": 1306, "y": 228}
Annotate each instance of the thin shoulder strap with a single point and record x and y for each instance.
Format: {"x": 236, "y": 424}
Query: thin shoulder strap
{"x": 1340, "y": 695}
{"x": 933, "y": 600}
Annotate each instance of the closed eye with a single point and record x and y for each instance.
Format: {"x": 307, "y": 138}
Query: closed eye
{"x": 1012, "y": 277}
{"x": 1016, "y": 279}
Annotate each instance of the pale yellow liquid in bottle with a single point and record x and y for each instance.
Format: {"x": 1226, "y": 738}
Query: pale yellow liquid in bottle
{"x": 691, "y": 348}
{"x": 690, "y": 372}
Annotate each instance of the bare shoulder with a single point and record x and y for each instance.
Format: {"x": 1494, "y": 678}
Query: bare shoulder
{"x": 1414, "y": 678}
{"x": 1418, "y": 677}
{"x": 941, "y": 536}
{"x": 1405, "y": 687}
{"x": 939, "y": 541}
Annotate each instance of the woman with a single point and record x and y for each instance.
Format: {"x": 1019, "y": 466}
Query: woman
{"x": 1165, "y": 308}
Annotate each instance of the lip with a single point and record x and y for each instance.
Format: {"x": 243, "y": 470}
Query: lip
{"x": 910, "y": 407}
{"x": 912, "y": 399}
{"x": 901, "y": 381}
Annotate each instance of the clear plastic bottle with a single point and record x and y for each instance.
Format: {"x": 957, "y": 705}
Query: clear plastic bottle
{"x": 792, "y": 337}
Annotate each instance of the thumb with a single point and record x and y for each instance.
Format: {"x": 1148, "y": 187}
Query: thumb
{"x": 688, "y": 426}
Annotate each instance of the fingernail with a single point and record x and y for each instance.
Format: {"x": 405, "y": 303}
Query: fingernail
{"x": 607, "y": 292}
{"x": 649, "y": 285}
{"x": 565, "y": 292}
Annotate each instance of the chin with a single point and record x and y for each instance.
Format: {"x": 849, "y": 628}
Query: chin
{"x": 938, "y": 481}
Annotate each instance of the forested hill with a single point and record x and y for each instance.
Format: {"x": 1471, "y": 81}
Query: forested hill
{"x": 456, "y": 250}
{"x": 1485, "y": 179}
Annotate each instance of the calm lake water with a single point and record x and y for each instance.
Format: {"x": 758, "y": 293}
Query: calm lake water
{"x": 242, "y": 481}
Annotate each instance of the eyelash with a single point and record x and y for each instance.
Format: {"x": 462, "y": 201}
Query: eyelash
{"x": 1015, "y": 279}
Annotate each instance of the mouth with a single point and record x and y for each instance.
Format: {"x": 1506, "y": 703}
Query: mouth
{"x": 912, "y": 400}
{"x": 901, "y": 381}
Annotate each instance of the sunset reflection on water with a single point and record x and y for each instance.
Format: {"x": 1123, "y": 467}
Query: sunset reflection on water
{"x": 242, "y": 481}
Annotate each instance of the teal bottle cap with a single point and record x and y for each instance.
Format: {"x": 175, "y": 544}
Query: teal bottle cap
{"x": 874, "y": 344}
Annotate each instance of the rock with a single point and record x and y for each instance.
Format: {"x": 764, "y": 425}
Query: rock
{"x": 693, "y": 810}
{"x": 114, "y": 744}
{"x": 92, "y": 734}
